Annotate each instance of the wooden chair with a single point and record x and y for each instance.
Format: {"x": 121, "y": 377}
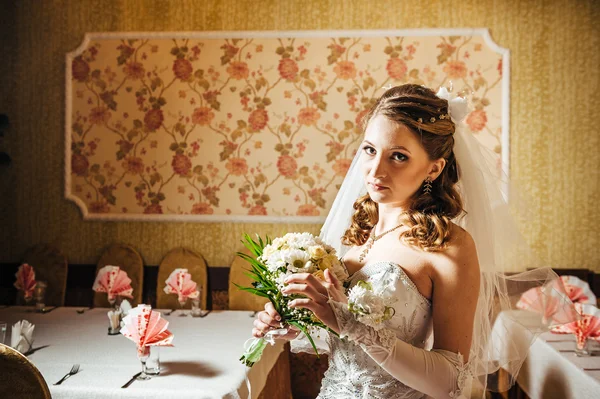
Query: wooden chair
{"x": 50, "y": 265}
{"x": 20, "y": 378}
{"x": 130, "y": 261}
{"x": 183, "y": 258}
{"x": 239, "y": 299}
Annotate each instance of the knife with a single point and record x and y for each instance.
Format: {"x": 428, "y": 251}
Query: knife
{"x": 128, "y": 383}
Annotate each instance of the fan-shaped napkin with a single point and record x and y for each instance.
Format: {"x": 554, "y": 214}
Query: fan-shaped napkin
{"x": 551, "y": 302}
{"x": 25, "y": 280}
{"x": 180, "y": 283}
{"x": 146, "y": 327}
{"x": 588, "y": 327}
{"x": 578, "y": 290}
{"x": 113, "y": 281}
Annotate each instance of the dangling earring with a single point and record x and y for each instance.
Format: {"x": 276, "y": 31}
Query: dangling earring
{"x": 427, "y": 185}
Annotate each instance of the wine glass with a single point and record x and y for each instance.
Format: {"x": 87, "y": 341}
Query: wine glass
{"x": 182, "y": 302}
{"x": 143, "y": 355}
{"x": 115, "y": 301}
{"x": 24, "y": 300}
{"x": 39, "y": 293}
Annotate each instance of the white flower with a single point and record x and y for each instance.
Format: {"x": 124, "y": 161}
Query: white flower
{"x": 269, "y": 250}
{"x": 371, "y": 305}
{"x": 274, "y": 261}
{"x": 300, "y": 240}
{"x": 295, "y": 259}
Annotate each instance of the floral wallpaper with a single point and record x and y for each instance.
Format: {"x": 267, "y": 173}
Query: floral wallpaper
{"x": 252, "y": 127}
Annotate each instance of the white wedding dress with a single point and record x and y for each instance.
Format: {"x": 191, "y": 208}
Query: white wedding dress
{"x": 364, "y": 364}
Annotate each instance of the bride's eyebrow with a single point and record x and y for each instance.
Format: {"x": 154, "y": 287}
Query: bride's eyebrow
{"x": 397, "y": 147}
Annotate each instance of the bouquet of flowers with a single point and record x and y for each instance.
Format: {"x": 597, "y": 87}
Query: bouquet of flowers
{"x": 275, "y": 261}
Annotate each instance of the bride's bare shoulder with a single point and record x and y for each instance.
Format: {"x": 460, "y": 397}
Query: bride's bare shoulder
{"x": 460, "y": 252}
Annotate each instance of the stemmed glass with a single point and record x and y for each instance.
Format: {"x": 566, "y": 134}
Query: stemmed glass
{"x": 143, "y": 356}
{"x": 39, "y": 293}
{"x": 115, "y": 302}
{"x": 182, "y": 304}
{"x": 26, "y": 300}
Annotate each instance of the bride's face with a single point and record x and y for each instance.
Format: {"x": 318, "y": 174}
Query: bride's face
{"x": 394, "y": 161}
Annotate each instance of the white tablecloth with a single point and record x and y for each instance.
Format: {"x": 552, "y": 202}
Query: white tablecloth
{"x": 552, "y": 370}
{"x": 202, "y": 364}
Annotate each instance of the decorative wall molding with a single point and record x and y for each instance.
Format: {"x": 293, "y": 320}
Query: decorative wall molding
{"x": 250, "y": 126}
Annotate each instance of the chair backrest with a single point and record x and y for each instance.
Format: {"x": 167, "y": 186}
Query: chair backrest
{"x": 183, "y": 258}
{"x": 50, "y": 265}
{"x": 130, "y": 261}
{"x": 20, "y": 378}
{"x": 239, "y": 299}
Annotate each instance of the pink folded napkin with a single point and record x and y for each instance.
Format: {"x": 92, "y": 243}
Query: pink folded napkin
{"x": 579, "y": 291}
{"x": 113, "y": 281}
{"x": 551, "y": 302}
{"x": 588, "y": 327}
{"x": 25, "y": 280}
{"x": 145, "y": 327}
{"x": 180, "y": 283}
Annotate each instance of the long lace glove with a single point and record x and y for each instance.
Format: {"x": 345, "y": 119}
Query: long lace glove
{"x": 437, "y": 373}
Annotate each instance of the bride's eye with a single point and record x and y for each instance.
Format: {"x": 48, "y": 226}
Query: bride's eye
{"x": 369, "y": 150}
{"x": 398, "y": 156}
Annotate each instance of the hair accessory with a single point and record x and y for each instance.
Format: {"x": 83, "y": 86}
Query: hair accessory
{"x": 457, "y": 106}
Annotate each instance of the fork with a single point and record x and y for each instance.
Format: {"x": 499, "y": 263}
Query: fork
{"x": 74, "y": 370}
{"x": 169, "y": 312}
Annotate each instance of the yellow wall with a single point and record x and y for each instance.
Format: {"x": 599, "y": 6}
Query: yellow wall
{"x": 555, "y": 97}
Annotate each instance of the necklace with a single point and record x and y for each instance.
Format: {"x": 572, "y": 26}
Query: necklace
{"x": 372, "y": 239}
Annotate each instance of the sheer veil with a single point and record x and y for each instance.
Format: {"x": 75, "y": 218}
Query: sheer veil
{"x": 502, "y": 331}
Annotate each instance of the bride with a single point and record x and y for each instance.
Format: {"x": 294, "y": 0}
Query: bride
{"x": 413, "y": 228}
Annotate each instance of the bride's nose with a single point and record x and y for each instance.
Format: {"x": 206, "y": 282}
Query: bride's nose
{"x": 377, "y": 168}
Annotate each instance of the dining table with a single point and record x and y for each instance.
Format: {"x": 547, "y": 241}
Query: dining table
{"x": 202, "y": 363}
{"x": 552, "y": 369}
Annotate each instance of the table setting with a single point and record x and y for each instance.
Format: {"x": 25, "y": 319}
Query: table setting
{"x": 151, "y": 356}
{"x": 563, "y": 362}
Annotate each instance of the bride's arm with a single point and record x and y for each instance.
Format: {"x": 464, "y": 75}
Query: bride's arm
{"x": 441, "y": 372}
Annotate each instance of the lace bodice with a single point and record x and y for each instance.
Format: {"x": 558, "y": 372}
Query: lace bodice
{"x": 352, "y": 372}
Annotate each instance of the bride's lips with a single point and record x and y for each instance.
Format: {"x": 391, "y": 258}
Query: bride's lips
{"x": 377, "y": 187}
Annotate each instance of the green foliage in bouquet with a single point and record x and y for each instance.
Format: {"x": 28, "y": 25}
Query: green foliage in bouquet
{"x": 264, "y": 285}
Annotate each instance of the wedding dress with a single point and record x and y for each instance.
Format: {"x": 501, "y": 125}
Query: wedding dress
{"x": 362, "y": 366}
{"x": 398, "y": 361}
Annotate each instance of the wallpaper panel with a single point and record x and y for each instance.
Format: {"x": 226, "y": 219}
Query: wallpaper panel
{"x": 555, "y": 92}
{"x": 250, "y": 126}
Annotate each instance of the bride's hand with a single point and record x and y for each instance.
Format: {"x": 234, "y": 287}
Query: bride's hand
{"x": 268, "y": 320}
{"x": 317, "y": 294}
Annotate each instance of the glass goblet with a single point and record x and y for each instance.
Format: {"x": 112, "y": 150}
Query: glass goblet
{"x": 583, "y": 348}
{"x": 115, "y": 301}
{"x": 143, "y": 355}
{"x": 196, "y": 308}
{"x": 24, "y": 300}
{"x": 182, "y": 302}
{"x": 39, "y": 293}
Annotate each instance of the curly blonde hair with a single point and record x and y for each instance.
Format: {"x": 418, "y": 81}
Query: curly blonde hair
{"x": 428, "y": 216}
